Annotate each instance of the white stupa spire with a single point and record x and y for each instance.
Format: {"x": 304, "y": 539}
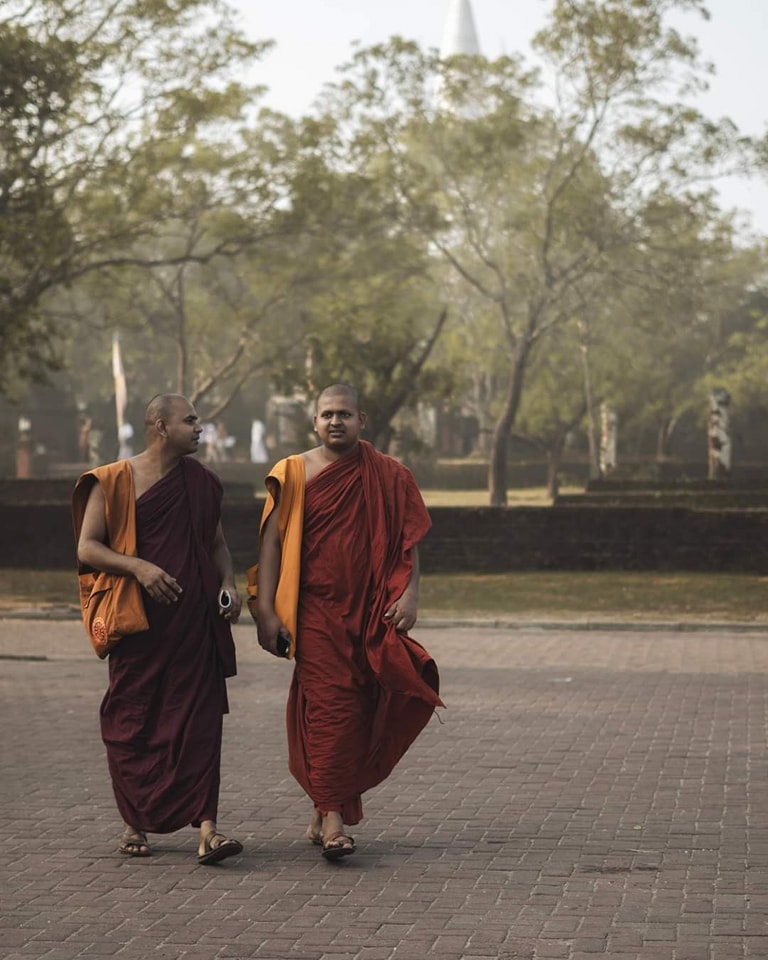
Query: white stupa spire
{"x": 460, "y": 35}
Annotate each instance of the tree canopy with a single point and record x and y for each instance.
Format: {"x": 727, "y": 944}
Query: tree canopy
{"x": 100, "y": 99}
{"x": 461, "y": 232}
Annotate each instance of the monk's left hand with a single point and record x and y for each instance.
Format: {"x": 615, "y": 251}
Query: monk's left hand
{"x": 402, "y": 613}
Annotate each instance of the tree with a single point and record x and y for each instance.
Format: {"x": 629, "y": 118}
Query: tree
{"x": 667, "y": 298}
{"x": 531, "y": 205}
{"x": 204, "y": 299}
{"x": 554, "y": 404}
{"x": 368, "y": 306}
{"x": 98, "y": 99}
{"x": 738, "y": 355}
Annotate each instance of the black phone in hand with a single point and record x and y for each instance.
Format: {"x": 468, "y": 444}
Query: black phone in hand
{"x": 283, "y": 642}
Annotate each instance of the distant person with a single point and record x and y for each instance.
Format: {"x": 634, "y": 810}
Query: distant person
{"x": 338, "y": 577}
{"x": 125, "y": 444}
{"x": 84, "y": 424}
{"x": 211, "y": 451}
{"x": 95, "y": 436}
{"x": 222, "y": 441}
{"x": 258, "y": 447}
{"x": 162, "y": 715}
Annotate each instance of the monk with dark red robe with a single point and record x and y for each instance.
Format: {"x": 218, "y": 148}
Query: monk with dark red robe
{"x": 161, "y": 718}
{"x": 337, "y": 583}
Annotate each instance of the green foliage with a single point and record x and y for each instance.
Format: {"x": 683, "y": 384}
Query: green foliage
{"x": 436, "y": 232}
{"x": 739, "y": 358}
{"x": 99, "y": 100}
{"x": 369, "y": 311}
{"x": 589, "y": 211}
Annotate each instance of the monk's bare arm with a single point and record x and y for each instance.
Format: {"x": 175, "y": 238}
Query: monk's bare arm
{"x": 222, "y": 560}
{"x": 268, "y": 624}
{"x": 404, "y": 611}
{"x": 92, "y": 550}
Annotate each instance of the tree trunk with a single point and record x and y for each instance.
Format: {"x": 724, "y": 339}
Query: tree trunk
{"x": 662, "y": 440}
{"x": 482, "y": 396}
{"x": 666, "y": 429}
{"x": 554, "y": 459}
{"x": 497, "y": 469}
{"x": 382, "y": 438}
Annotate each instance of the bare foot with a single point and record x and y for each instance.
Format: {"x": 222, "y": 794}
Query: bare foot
{"x": 332, "y": 823}
{"x": 133, "y": 843}
{"x": 336, "y": 843}
{"x": 315, "y": 829}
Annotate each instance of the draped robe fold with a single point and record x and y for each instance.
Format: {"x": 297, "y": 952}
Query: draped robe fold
{"x": 361, "y": 692}
{"x": 162, "y": 714}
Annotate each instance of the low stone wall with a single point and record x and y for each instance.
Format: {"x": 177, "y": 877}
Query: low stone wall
{"x": 490, "y": 539}
{"x": 697, "y": 494}
{"x": 477, "y": 539}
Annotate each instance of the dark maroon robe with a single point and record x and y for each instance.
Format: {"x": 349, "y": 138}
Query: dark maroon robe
{"x": 161, "y": 718}
{"x": 361, "y": 691}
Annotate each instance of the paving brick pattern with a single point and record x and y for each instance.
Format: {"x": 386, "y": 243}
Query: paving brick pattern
{"x": 587, "y": 794}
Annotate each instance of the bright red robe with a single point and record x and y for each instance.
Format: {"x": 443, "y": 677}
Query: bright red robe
{"x": 161, "y": 718}
{"x": 361, "y": 691}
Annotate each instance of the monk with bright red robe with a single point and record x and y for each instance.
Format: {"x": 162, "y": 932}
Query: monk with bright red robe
{"x": 162, "y": 715}
{"x": 338, "y": 583}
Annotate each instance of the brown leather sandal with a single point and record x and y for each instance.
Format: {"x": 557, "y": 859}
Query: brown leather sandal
{"x": 338, "y": 845}
{"x": 133, "y": 843}
{"x": 216, "y": 852}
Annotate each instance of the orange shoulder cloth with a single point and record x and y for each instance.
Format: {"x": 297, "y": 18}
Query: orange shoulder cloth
{"x": 112, "y": 606}
{"x": 285, "y": 491}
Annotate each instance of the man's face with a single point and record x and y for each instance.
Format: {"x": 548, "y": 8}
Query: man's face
{"x": 182, "y": 427}
{"x": 338, "y": 422}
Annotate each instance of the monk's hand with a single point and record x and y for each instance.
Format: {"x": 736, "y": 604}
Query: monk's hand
{"x": 403, "y": 612}
{"x": 237, "y": 605}
{"x": 160, "y": 586}
{"x": 268, "y": 625}
{"x": 231, "y": 609}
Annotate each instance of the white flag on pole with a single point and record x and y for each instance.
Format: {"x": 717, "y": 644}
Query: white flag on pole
{"x": 121, "y": 390}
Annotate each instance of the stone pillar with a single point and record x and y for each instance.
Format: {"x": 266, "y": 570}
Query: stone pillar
{"x": 608, "y": 440}
{"x": 719, "y": 435}
{"x": 24, "y": 450}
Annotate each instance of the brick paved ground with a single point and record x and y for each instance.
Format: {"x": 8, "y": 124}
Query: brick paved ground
{"x": 588, "y": 794}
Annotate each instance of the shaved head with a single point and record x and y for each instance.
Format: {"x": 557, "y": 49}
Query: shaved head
{"x": 338, "y": 420}
{"x": 341, "y": 388}
{"x": 161, "y": 406}
{"x": 171, "y": 422}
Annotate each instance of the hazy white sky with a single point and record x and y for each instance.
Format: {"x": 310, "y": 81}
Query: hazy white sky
{"x": 313, "y": 37}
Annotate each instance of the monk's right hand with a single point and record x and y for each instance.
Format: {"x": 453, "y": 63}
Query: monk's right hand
{"x": 268, "y": 625}
{"x": 160, "y": 586}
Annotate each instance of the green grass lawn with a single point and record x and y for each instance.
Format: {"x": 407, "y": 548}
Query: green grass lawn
{"x": 517, "y": 497}
{"x": 607, "y": 595}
